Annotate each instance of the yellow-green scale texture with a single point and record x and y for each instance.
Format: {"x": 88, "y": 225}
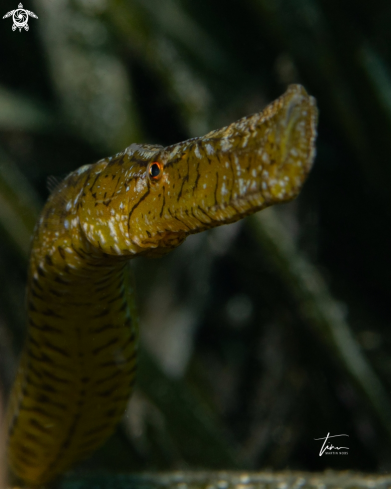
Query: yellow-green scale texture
{"x": 78, "y": 366}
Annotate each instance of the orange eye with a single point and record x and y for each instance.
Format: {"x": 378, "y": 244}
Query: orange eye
{"x": 155, "y": 170}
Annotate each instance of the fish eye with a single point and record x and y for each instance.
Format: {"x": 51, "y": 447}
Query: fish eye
{"x": 155, "y": 170}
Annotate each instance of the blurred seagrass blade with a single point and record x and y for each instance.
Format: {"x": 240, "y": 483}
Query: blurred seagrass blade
{"x": 365, "y": 66}
{"x": 173, "y": 313}
{"x": 90, "y": 80}
{"x": 170, "y": 17}
{"x": 231, "y": 480}
{"x": 376, "y": 81}
{"x": 21, "y": 113}
{"x": 300, "y": 28}
{"x": 378, "y": 74}
{"x": 19, "y": 207}
{"x": 151, "y": 40}
{"x": 349, "y": 77}
{"x": 195, "y": 431}
{"x": 320, "y": 310}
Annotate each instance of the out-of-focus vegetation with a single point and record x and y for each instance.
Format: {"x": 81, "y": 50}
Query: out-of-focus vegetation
{"x": 257, "y": 337}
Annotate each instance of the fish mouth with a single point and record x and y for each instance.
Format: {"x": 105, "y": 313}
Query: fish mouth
{"x": 295, "y": 135}
{"x": 298, "y": 126}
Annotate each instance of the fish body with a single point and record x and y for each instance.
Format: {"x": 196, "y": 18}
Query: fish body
{"x": 79, "y": 362}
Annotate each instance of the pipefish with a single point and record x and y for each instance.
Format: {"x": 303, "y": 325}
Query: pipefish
{"x": 78, "y": 365}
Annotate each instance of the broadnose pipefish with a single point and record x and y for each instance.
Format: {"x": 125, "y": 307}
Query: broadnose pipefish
{"x": 78, "y": 365}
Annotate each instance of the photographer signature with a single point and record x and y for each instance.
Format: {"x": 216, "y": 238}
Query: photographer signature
{"x": 331, "y": 446}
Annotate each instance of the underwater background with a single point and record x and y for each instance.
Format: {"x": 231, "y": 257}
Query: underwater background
{"x": 260, "y": 336}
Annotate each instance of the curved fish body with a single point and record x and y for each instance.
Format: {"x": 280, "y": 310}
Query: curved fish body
{"x": 78, "y": 365}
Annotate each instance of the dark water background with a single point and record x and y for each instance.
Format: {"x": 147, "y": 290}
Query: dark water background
{"x": 239, "y": 369}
